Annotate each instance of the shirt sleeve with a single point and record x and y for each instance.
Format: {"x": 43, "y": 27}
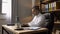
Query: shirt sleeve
{"x": 42, "y": 21}
{"x": 38, "y": 22}
{"x": 30, "y": 23}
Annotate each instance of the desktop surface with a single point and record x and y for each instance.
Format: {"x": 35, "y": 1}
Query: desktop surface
{"x": 26, "y": 29}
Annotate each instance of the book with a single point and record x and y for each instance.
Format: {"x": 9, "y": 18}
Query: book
{"x": 46, "y": 8}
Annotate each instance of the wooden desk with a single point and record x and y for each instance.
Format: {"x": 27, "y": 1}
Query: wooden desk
{"x": 56, "y": 26}
{"x": 57, "y": 23}
{"x": 11, "y": 28}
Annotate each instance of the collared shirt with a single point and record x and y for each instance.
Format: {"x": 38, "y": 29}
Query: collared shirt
{"x": 38, "y": 21}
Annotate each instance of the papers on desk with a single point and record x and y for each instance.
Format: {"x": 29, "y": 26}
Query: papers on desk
{"x": 31, "y": 28}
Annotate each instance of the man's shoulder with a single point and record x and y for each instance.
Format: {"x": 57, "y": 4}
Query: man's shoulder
{"x": 42, "y": 15}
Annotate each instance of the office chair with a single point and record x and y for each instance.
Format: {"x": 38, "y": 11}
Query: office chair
{"x": 50, "y": 20}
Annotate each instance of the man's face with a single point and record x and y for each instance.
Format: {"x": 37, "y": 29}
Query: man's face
{"x": 35, "y": 12}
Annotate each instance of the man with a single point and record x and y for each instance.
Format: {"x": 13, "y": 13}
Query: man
{"x": 38, "y": 20}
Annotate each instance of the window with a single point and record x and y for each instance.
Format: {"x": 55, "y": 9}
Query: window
{"x": 6, "y": 6}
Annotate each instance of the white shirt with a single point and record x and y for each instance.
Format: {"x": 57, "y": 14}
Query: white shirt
{"x": 38, "y": 21}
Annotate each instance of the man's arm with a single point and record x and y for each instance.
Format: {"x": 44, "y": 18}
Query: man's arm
{"x": 27, "y": 19}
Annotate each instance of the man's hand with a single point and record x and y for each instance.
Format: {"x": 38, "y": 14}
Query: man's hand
{"x": 25, "y": 25}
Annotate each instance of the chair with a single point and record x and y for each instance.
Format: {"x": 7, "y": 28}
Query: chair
{"x": 50, "y": 20}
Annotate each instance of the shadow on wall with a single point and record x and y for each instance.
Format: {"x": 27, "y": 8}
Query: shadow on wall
{"x": 24, "y": 8}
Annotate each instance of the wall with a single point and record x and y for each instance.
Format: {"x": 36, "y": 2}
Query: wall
{"x": 23, "y": 7}
{"x": 37, "y": 2}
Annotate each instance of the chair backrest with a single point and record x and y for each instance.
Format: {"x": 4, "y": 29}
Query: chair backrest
{"x": 49, "y": 19}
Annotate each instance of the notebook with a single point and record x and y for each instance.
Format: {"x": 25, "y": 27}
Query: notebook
{"x": 31, "y": 28}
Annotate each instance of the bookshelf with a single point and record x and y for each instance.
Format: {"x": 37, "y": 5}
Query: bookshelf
{"x": 55, "y": 10}
{"x": 49, "y": 1}
{"x": 51, "y": 6}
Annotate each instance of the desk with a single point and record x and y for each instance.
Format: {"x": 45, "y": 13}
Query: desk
{"x": 11, "y": 28}
{"x": 58, "y": 22}
{"x": 56, "y": 26}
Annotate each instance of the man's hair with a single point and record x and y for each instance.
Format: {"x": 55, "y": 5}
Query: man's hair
{"x": 36, "y": 8}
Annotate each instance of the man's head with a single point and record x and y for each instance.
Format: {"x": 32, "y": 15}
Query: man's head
{"x": 35, "y": 10}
